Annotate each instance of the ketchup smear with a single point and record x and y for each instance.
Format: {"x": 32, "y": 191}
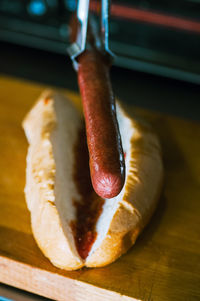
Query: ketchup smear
{"x": 46, "y": 100}
{"x": 89, "y": 208}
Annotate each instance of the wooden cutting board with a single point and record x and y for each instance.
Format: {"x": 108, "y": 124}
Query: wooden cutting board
{"x": 163, "y": 265}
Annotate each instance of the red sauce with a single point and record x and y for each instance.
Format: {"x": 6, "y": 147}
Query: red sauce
{"x": 90, "y": 206}
{"x": 46, "y": 100}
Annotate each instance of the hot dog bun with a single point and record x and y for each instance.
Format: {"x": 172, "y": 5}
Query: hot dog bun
{"x": 52, "y": 128}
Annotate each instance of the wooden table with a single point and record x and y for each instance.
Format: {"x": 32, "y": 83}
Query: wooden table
{"x": 163, "y": 265}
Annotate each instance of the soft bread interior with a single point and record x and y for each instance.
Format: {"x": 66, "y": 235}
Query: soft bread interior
{"x": 63, "y": 139}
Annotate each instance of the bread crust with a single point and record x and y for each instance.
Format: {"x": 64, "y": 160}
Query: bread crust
{"x": 140, "y": 196}
{"x": 134, "y": 208}
{"x": 40, "y": 190}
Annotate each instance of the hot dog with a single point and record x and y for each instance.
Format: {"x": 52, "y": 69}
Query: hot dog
{"x": 107, "y": 167}
{"x": 72, "y": 225}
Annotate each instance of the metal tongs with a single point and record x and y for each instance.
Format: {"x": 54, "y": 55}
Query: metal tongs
{"x": 88, "y": 27}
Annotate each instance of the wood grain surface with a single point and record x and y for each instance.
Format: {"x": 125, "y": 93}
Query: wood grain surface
{"x": 163, "y": 265}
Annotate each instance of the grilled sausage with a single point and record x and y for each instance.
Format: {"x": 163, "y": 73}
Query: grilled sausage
{"x": 107, "y": 167}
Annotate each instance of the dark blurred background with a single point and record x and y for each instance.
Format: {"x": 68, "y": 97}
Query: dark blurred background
{"x": 157, "y": 47}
